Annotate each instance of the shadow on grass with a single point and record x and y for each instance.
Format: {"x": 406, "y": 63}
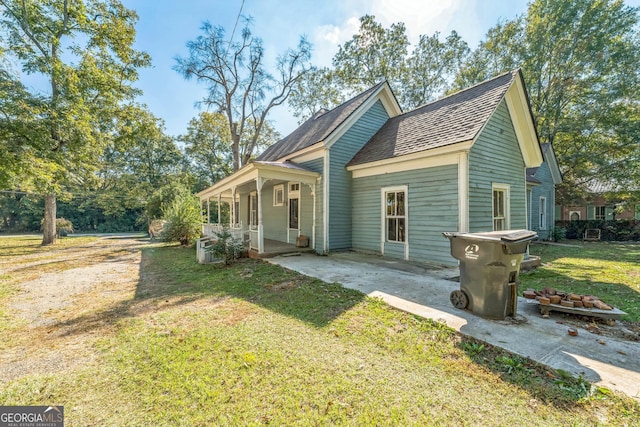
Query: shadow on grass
{"x": 173, "y": 272}
{"x": 170, "y": 277}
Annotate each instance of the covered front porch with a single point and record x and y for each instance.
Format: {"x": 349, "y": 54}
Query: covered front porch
{"x": 269, "y": 206}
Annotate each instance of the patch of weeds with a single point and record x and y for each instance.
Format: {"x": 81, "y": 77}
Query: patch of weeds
{"x": 576, "y": 388}
{"x": 512, "y": 364}
{"x": 472, "y": 348}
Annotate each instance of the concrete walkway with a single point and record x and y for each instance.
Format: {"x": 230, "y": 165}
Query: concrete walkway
{"x": 609, "y": 362}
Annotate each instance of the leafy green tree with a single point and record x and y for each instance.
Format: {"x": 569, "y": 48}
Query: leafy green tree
{"x": 320, "y": 88}
{"x": 83, "y": 49}
{"x": 431, "y": 68}
{"x": 580, "y": 61}
{"x": 207, "y": 146}
{"x": 372, "y": 55}
{"x": 417, "y": 74}
{"x": 238, "y": 84}
{"x": 142, "y": 170}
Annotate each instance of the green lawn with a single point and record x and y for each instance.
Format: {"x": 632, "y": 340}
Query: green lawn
{"x": 610, "y": 271}
{"x": 255, "y": 344}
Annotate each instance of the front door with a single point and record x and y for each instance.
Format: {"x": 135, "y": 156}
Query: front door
{"x": 293, "y": 229}
{"x": 294, "y": 213}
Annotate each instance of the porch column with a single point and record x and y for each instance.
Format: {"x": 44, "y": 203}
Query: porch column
{"x": 219, "y": 208}
{"x": 312, "y": 244}
{"x": 232, "y": 220}
{"x": 259, "y": 184}
{"x": 208, "y": 211}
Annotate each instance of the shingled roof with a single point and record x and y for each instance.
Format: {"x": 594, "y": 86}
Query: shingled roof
{"x": 531, "y": 172}
{"x": 456, "y": 118}
{"x": 317, "y": 128}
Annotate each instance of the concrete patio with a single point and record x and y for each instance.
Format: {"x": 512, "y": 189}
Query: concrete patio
{"x": 424, "y": 291}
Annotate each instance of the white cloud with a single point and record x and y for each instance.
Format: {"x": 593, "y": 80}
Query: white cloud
{"x": 327, "y": 38}
{"x": 419, "y": 17}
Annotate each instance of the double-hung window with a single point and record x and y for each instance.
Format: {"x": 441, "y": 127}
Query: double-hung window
{"x": 395, "y": 215}
{"x": 601, "y": 212}
{"x": 543, "y": 213}
{"x": 500, "y": 207}
{"x": 278, "y": 195}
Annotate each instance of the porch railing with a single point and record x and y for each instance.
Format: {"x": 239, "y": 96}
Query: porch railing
{"x": 253, "y": 240}
{"x": 236, "y": 230}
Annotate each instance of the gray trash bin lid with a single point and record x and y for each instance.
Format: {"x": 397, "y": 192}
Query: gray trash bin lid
{"x": 505, "y": 236}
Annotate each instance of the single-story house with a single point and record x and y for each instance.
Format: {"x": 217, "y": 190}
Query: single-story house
{"x": 541, "y": 191}
{"x": 366, "y": 176}
{"x": 603, "y": 201}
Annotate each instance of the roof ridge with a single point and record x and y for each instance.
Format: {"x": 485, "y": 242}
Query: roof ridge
{"x": 513, "y": 72}
{"x": 319, "y": 126}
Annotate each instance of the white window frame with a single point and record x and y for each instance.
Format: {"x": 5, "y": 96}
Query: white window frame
{"x": 293, "y": 193}
{"x": 253, "y": 210}
{"x": 278, "y": 195}
{"x": 383, "y": 218}
{"x": 603, "y": 216}
{"x": 575, "y": 212}
{"x": 542, "y": 213}
{"x": 506, "y": 188}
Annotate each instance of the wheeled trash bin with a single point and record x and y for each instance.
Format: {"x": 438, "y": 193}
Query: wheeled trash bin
{"x": 489, "y": 269}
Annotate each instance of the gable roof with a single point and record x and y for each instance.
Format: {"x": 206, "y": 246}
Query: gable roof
{"x": 456, "y": 118}
{"x": 552, "y": 163}
{"x": 317, "y": 128}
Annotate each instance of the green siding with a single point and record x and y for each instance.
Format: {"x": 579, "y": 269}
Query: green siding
{"x": 495, "y": 158}
{"x": 274, "y": 218}
{"x": 545, "y": 189}
{"x": 433, "y": 208}
{"x": 316, "y": 165}
{"x": 306, "y": 212}
{"x": 340, "y": 192}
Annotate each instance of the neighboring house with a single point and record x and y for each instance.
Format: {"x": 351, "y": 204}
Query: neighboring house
{"x": 601, "y": 203}
{"x": 541, "y": 190}
{"x": 365, "y": 176}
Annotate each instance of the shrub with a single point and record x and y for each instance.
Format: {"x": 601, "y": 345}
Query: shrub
{"x": 558, "y": 233}
{"x": 183, "y": 220}
{"x": 63, "y": 226}
{"x": 226, "y": 247}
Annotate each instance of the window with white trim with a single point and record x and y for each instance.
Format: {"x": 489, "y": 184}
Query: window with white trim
{"x": 253, "y": 210}
{"x": 395, "y": 215}
{"x": 294, "y": 205}
{"x": 543, "y": 213}
{"x": 278, "y": 195}
{"x": 500, "y": 207}
{"x": 601, "y": 212}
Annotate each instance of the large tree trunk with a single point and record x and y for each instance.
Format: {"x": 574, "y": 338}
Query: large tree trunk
{"x": 49, "y": 224}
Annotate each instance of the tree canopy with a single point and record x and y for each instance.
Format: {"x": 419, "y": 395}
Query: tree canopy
{"x": 580, "y": 62}
{"x": 83, "y": 50}
{"x": 238, "y": 83}
{"x": 417, "y": 74}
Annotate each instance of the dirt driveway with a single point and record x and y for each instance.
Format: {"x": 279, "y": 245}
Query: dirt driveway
{"x": 66, "y": 303}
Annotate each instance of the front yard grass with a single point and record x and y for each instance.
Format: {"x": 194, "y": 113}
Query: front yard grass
{"x": 610, "y": 271}
{"x": 256, "y": 344}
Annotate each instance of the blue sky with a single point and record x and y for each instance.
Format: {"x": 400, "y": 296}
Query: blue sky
{"x": 165, "y": 26}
